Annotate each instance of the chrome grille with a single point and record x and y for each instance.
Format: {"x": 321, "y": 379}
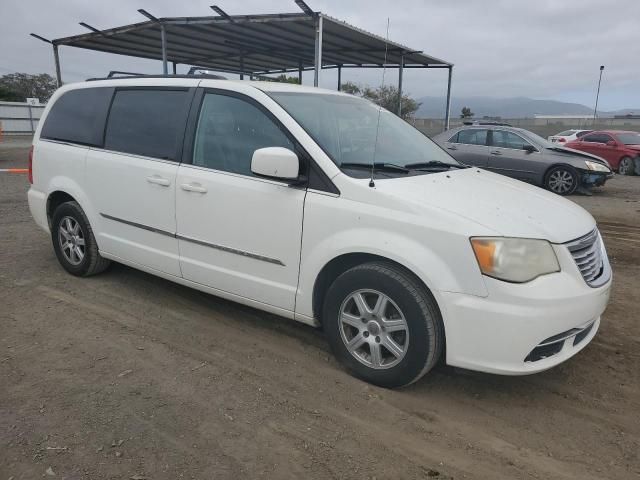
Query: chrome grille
{"x": 587, "y": 252}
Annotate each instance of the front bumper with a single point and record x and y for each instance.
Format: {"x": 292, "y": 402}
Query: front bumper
{"x": 591, "y": 179}
{"x": 520, "y": 329}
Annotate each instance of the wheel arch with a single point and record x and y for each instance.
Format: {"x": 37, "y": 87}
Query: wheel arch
{"x": 54, "y": 200}
{"x": 340, "y": 264}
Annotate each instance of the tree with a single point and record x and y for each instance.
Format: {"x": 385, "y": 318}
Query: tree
{"x": 466, "y": 113}
{"x": 282, "y": 78}
{"x": 350, "y": 87}
{"x": 23, "y": 85}
{"x": 386, "y": 96}
{"x": 8, "y": 95}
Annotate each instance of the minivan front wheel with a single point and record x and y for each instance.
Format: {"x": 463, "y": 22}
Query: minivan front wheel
{"x": 74, "y": 243}
{"x": 383, "y": 325}
{"x": 562, "y": 180}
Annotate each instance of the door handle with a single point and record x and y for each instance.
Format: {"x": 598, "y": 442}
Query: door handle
{"x": 193, "y": 187}
{"x": 452, "y": 147}
{"x": 158, "y": 180}
{"x": 496, "y": 152}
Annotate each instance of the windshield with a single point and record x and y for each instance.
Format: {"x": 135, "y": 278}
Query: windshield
{"x": 629, "y": 138}
{"x": 345, "y": 128}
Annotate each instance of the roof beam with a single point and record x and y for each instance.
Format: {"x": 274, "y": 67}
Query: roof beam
{"x": 40, "y": 38}
{"x": 93, "y": 29}
{"x": 142, "y": 11}
{"x": 305, "y": 8}
{"x": 221, "y": 12}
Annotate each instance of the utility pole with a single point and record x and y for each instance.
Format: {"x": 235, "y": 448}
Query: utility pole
{"x": 595, "y": 109}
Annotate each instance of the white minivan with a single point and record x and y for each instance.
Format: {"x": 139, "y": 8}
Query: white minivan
{"x": 323, "y": 208}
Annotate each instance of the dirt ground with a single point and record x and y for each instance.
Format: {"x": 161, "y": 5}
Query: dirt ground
{"x": 128, "y": 376}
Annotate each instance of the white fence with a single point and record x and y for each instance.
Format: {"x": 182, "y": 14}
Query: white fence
{"x": 19, "y": 117}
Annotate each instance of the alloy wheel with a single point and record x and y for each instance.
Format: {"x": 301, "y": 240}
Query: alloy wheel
{"x": 72, "y": 241}
{"x": 374, "y": 329}
{"x": 561, "y": 181}
{"x": 625, "y": 166}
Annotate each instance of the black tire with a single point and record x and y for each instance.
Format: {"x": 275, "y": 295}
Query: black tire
{"x": 91, "y": 262}
{"x": 425, "y": 340}
{"x": 562, "y": 180}
{"x": 626, "y": 167}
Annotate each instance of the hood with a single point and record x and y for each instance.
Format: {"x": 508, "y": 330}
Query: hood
{"x": 508, "y": 207}
{"x": 565, "y": 151}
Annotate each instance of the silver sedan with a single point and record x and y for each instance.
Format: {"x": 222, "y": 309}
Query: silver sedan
{"x": 523, "y": 155}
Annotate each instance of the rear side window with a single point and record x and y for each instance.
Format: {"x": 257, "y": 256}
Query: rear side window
{"x": 472, "y": 136}
{"x": 597, "y": 138}
{"x": 147, "y": 122}
{"x": 78, "y": 116}
{"x": 583, "y": 133}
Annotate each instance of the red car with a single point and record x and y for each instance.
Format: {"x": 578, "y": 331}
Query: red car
{"x": 620, "y": 148}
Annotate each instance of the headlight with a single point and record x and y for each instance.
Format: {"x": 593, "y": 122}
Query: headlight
{"x": 596, "y": 167}
{"x": 514, "y": 259}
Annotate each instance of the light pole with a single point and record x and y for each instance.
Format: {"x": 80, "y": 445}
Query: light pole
{"x": 595, "y": 110}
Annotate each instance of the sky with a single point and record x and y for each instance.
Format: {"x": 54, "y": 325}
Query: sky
{"x": 547, "y": 49}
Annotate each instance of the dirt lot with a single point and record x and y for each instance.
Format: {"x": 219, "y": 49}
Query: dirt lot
{"x": 128, "y": 376}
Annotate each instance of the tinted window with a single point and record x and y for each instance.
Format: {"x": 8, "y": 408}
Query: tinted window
{"x": 504, "y": 139}
{"x": 583, "y": 133}
{"x": 472, "y": 136}
{"x": 78, "y": 116}
{"x": 147, "y": 122}
{"x": 230, "y": 130}
{"x": 597, "y": 138}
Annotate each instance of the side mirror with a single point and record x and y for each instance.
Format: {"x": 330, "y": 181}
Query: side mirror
{"x": 611, "y": 143}
{"x": 275, "y": 162}
{"x": 529, "y": 148}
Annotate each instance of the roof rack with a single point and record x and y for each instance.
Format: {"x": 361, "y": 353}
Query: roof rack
{"x": 117, "y": 75}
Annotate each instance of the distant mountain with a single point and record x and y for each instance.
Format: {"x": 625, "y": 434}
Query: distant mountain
{"x": 514, "y": 107}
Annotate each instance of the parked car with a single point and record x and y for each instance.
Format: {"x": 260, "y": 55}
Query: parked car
{"x": 620, "y": 148}
{"x": 525, "y": 156}
{"x": 268, "y": 194}
{"x": 568, "y": 136}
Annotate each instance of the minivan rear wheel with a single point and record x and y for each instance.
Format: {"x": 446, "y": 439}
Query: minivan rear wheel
{"x": 74, "y": 243}
{"x": 383, "y": 325}
{"x": 562, "y": 180}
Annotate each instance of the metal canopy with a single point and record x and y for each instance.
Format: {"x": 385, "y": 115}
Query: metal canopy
{"x": 253, "y": 44}
{"x": 258, "y": 44}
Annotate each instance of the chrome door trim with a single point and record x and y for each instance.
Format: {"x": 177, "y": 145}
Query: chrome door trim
{"x": 222, "y": 248}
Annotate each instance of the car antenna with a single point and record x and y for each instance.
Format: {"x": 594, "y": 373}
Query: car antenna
{"x": 384, "y": 70}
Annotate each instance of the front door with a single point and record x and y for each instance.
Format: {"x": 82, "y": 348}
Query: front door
{"x": 508, "y": 156}
{"x": 237, "y": 232}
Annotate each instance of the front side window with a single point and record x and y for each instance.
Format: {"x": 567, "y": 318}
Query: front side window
{"x": 473, "y": 136}
{"x": 353, "y": 131}
{"x": 78, "y": 116}
{"x": 230, "y": 130}
{"x": 147, "y": 122}
{"x": 504, "y": 139}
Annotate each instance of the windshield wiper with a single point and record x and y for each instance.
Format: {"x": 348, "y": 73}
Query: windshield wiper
{"x": 433, "y": 163}
{"x": 390, "y": 167}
